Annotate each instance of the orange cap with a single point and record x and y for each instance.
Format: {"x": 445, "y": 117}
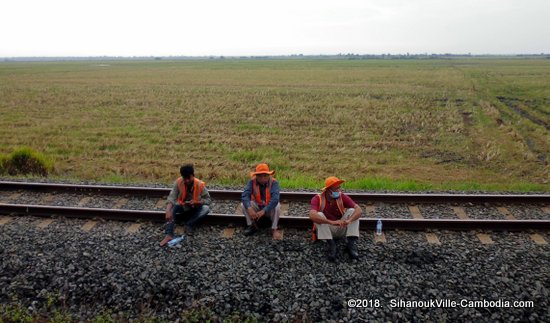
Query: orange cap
{"x": 262, "y": 169}
{"x": 332, "y": 181}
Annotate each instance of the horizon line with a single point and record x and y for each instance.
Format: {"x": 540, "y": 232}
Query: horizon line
{"x": 4, "y": 58}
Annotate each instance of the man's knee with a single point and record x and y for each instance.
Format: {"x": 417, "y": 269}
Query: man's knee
{"x": 177, "y": 209}
{"x": 350, "y": 211}
{"x": 276, "y": 211}
{"x": 204, "y": 210}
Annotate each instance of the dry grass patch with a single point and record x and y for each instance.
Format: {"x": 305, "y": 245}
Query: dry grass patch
{"x": 362, "y": 120}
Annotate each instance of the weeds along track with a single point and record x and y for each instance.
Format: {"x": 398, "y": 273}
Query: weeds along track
{"x": 398, "y": 211}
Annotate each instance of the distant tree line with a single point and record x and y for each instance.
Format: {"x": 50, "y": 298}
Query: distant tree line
{"x": 349, "y": 56}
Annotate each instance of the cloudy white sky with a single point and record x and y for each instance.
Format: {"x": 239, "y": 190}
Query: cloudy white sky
{"x": 267, "y": 27}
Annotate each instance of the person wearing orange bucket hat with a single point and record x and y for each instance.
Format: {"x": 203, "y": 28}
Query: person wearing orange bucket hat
{"x": 261, "y": 198}
{"x": 336, "y": 215}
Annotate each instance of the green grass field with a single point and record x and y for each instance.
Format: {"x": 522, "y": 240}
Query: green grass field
{"x": 458, "y": 124}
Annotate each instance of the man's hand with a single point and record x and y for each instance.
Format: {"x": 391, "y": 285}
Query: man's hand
{"x": 252, "y": 213}
{"x": 260, "y": 214}
{"x": 340, "y": 223}
{"x": 194, "y": 203}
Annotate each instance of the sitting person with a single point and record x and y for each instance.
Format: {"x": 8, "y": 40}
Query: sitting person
{"x": 188, "y": 200}
{"x": 261, "y": 198}
{"x": 336, "y": 215}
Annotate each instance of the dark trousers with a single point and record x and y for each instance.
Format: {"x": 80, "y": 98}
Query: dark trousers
{"x": 190, "y": 216}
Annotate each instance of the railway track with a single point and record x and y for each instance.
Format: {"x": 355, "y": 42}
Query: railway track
{"x": 289, "y": 196}
{"x": 104, "y": 262}
{"x": 416, "y": 222}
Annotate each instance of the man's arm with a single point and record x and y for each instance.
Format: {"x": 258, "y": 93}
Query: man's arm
{"x": 356, "y": 214}
{"x": 349, "y": 203}
{"x": 316, "y": 218}
{"x": 245, "y": 197}
{"x": 205, "y": 198}
{"x": 174, "y": 193}
{"x": 274, "y": 197}
{"x": 168, "y": 215}
{"x": 314, "y": 212}
{"x": 172, "y": 201}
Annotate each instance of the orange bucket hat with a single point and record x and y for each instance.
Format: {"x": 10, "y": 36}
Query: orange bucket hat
{"x": 332, "y": 181}
{"x": 262, "y": 169}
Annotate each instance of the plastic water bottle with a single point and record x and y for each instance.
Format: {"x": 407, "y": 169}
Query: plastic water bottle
{"x": 379, "y": 227}
{"x": 175, "y": 241}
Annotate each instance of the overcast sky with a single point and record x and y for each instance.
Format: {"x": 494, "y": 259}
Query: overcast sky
{"x": 266, "y": 27}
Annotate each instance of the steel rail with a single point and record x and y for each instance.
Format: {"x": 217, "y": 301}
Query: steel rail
{"x": 285, "y": 221}
{"x": 157, "y": 192}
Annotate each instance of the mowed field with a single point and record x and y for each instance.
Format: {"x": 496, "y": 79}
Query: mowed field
{"x": 379, "y": 124}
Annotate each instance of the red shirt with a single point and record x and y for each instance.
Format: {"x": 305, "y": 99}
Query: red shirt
{"x": 331, "y": 209}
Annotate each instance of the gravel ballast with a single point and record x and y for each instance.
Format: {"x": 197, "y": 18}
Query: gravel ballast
{"x": 108, "y": 269}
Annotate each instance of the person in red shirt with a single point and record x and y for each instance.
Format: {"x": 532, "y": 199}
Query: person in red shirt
{"x": 336, "y": 215}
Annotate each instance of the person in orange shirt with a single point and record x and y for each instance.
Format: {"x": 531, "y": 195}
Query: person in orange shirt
{"x": 336, "y": 215}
